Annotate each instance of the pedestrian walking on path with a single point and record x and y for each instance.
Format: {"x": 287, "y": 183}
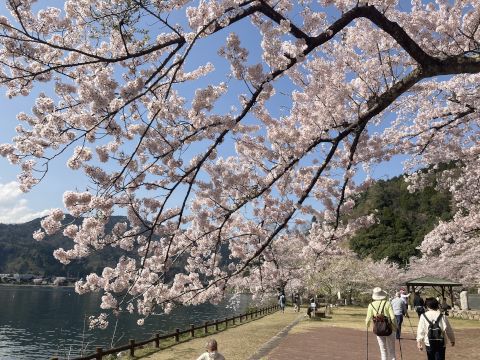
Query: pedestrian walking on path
{"x": 418, "y": 304}
{"x": 433, "y": 328}
{"x": 400, "y": 310}
{"x": 296, "y": 300}
{"x": 312, "y": 307}
{"x": 281, "y": 301}
{"x": 380, "y": 311}
{"x": 404, "y": 296}
{"x": 444, "y": 307}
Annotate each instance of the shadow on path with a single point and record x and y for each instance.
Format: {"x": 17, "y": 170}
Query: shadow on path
{"x": 332, "y": 343}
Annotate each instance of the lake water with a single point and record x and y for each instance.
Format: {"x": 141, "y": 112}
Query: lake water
{"x": 474, "y": 301}
{"x": 39, "y": 322}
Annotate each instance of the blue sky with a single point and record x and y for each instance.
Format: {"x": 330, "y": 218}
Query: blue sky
{"x": 16, "y": 206}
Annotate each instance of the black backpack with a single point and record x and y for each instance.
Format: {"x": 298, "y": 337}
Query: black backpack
{"x": 435, "y": 332}
{"x": 381, "y": 323}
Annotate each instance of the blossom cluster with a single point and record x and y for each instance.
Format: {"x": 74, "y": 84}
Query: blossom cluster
{"x": 219, "y": 162}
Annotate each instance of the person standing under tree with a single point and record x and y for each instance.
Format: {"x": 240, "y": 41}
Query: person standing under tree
{"x": 382, "y": 307}
{"x": 297, "y": 302}
{"x": 432, "y": 329}
{"x": 281, "y": 301}
{"x": 400, "y": 310}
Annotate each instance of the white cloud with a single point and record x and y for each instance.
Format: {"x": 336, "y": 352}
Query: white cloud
{"x": 9, "y": 192}
{"x": 13, "y": 207}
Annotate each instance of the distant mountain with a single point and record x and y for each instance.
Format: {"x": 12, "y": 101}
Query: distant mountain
{"x": 20, "y": 253}
{"x": 404, "y": 219}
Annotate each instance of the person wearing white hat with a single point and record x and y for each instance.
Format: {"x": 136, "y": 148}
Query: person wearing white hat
{"x": 381, "y": 306}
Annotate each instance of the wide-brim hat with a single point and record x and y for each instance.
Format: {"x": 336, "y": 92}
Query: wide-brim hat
{"x": 378, "y": 294}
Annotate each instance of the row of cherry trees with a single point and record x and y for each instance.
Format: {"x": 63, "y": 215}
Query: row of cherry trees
{"x": 220, "y": 124}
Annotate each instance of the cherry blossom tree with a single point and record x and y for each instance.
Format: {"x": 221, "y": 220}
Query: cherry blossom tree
{"x": 346, "y": 273}
{"x": 452, "y": 249}
{"x": 201, "y": 159}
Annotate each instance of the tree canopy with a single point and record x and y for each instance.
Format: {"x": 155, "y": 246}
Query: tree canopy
{"x": 403, "y": 219}
{"x": 226, "y": 122}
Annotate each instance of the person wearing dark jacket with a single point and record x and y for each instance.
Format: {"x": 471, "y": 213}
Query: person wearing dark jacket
{"x": 418, "y": 304}
{"x": 444, "y": 307}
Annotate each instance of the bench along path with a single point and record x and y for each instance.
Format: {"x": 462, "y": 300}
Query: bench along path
{"x": 332, "y": 343}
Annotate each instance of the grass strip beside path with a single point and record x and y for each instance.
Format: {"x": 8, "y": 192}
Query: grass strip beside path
{"x": 236, "y": 343}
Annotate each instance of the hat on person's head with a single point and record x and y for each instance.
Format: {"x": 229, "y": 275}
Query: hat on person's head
{"x": 378, "y": 294}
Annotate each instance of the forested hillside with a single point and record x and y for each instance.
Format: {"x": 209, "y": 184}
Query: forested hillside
{"x": 20, "y": 253}
{"x": 404, "y": 219}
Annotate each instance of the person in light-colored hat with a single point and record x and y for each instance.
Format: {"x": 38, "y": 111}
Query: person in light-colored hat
{"x": 378, "y": 294}
{"x": 381, "y": 306}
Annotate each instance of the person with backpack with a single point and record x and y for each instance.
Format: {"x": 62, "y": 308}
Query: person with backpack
{"x": 433, "y": 328}
{"x": 380, "y": 312}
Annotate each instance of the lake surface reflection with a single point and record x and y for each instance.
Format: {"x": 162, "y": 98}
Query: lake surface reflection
{"x": 39, "y": 322}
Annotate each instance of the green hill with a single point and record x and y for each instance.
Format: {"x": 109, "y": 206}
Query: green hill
{"x": 404, "y": 219}
{"x": 20, "y": 253}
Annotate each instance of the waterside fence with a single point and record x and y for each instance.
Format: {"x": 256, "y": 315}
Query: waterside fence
{"x": 156, "y": 340}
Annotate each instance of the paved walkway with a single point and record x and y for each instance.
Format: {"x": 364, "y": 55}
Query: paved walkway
{"x": 332, "y": 343}
{"x": 275, "y": 341}
{"x": 292, "y": 336}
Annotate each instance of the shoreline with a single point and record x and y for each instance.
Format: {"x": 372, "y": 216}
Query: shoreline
{"x": 42, "y": 286}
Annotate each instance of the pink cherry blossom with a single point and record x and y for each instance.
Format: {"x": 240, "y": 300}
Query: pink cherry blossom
{"x": 220, "y": 128}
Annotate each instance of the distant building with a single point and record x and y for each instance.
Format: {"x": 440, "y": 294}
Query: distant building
{"x": 7, "y": 278}
{"x": 24, "y": 277}
{"x": 60, "y": 281}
